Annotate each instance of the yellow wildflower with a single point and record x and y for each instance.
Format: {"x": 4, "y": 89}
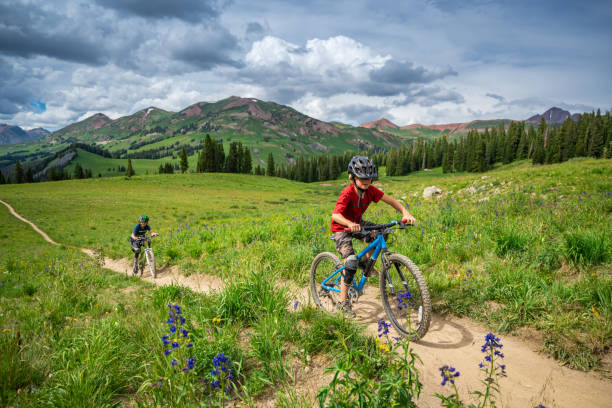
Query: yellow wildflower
{"x": 6, "y": 330}
{"x": 216, "y": 320}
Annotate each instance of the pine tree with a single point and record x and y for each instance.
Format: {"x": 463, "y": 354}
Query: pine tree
{"x": 184, "y": 162}
{"x": 538, "y": 148}
{"x": 130, "y": 171}
{"x": 597, "y": 138}
{"x": 232, "y": 159}
{"x": 270, "y": 168}
{"x": 392, "y": 162}
{"x": 18, "y": 173}
{"x": 247, "y": 161}
{"x": 29, "y": 177}
{"x": 78, "y": 171}
{"x": 2, "y": 181}
{"x": 219, "y": 157}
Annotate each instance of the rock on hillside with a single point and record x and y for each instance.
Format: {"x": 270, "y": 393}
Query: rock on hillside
{"x": 554, "y": 115}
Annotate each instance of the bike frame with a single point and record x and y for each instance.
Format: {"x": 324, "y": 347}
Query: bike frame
{"x": 379, "y": 245}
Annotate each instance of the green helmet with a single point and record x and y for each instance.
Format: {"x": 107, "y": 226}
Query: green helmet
{"x": 143, "y": 218}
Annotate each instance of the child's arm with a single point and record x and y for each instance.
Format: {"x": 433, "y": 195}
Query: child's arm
{"x": 340, "y": 219}
{"x": 406, "y": 216}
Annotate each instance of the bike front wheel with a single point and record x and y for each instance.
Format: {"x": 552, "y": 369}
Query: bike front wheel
{"x": 405, "y": 297}
{"x": 150, "y": 261}
{"x": 323, "y": 266}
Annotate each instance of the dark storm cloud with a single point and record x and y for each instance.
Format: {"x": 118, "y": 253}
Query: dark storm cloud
{"x": 497, "y": 97}
{"x": 13, "y": 94}
{"x": 255, "y": 29}
{"x": 207, "y": 51}
{"x": 27, "y": 32}
{"x": 188, "y": 10}
{"x": 432, "y": 95}
{"x": 396, "y": 72}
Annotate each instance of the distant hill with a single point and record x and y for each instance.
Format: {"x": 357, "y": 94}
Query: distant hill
{"x": 432, "y": 132}
{"x": 554, "y": 115}
{"x": 14, "y": 134}
{"x": 265, "y": 127}
{"x": 380, "y": 124}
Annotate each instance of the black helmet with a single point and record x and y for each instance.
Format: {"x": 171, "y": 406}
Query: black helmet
{"x": 143, "y": 218}
{"x": 362, "y": 167}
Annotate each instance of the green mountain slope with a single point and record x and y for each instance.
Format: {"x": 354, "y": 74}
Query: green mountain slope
{"x": 262, "y": 126}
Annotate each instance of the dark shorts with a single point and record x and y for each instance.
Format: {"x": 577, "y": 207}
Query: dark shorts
{"x": 344, "y": 240}
{"x": 136, "y": 245}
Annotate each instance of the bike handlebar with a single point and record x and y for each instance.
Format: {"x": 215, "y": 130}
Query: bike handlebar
{"x": 376, "y": 227}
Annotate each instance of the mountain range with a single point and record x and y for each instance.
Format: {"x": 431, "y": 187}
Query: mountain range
{"x": 552, "y": 115}
{"x": 263, "y": 127}
{"x": 14, "y": 134}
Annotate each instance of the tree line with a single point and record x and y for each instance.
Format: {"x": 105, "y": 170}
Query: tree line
{"x": 589, "y": 136}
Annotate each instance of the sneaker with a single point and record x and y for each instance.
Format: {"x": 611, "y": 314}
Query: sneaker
{"x": 135, "y": 270}
{"x": 346, "y": 308}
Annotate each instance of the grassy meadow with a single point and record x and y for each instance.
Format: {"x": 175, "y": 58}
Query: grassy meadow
{"x": 519, "y": 248}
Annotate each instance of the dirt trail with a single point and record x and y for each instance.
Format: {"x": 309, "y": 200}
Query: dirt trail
{"x": 532, "y": 378}
{"x": 31, "y": 224}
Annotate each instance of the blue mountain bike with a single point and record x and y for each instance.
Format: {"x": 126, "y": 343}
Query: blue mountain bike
{"x": 403, "y": 291}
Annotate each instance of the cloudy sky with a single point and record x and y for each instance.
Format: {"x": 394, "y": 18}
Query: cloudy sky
{"x": 411, "y": 61}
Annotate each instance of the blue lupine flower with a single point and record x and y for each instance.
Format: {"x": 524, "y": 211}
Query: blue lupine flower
{"x": 173, "y": 329}
{"x": 167, "y": 352}
{"x": 295, "y": 304}
{"x": 175, "y": 345}
{"x": 184, "y": 332}
{"x": 383, "y": 327}
{"x": 448, "y": 374}
{"x": 174, "y": 362}
{"x": 401, "y": 304}
{"x": 190, "y": 363}
{"x": 170, "y": 320}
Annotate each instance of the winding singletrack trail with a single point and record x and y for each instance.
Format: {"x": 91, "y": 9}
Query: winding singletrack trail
{"x": 532, "y": 379}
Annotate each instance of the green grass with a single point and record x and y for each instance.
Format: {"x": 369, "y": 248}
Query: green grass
{"x": 537, "y": 249}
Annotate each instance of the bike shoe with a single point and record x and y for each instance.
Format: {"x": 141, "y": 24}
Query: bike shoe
{"x": 135, "y": 270}
{"x": 346, "y": 308}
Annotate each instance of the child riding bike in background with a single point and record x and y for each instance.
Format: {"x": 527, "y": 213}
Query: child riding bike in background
{"x": 139, "y": 231}
{"x": 346, "y": 219}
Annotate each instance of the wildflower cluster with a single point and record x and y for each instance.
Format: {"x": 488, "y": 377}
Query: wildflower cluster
{"x": 492, "y": 347}
{"x": 222, "y": 374}
{"x": 448, "y": 374}
{"x": 383, "y": 327}
{"x": 401, "y": 303}
{"x": 178, "y": 339}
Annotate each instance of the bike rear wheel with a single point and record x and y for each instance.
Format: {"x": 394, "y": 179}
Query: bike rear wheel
{"x": 324, "y": 265}
{"x": 405, "y": 297}
{"x": 150, "y": 261}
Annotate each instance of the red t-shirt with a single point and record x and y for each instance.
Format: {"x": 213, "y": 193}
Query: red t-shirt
{"x": 351, "y": 207}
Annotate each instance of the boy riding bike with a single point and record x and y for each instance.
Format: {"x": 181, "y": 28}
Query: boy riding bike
{"x": 346, "y": 219}
{"x": 139, "y": 231}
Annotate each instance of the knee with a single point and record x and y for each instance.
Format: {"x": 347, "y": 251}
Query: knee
{"x": 136, "y": 250}
{"x": 350, "y": 267}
